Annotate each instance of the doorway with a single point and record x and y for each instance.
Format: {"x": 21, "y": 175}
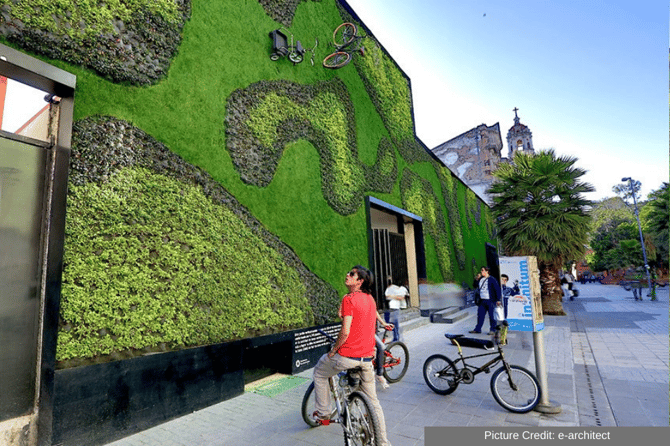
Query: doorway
{"x": 395, "y": 250}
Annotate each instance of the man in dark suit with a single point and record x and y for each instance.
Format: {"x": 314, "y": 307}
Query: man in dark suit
{"x": 491, "y": 296}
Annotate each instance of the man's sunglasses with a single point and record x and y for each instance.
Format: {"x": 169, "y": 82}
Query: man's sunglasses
{"x": 351, "y": 273}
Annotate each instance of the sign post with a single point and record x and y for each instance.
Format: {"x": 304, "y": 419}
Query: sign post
{"x": 524, "y": 313}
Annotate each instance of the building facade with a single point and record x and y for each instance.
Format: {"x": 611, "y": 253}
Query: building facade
{"x": 475, "y": 154}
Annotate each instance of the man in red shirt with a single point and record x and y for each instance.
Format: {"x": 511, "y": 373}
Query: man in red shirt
{"x": 355, "y": 346}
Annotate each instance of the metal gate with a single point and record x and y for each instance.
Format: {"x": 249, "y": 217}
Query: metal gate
{"x": 390, "y": 260}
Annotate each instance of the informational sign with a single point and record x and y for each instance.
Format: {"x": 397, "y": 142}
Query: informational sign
{"x": 309, "y": 345}
{"x": 524, "y": 309}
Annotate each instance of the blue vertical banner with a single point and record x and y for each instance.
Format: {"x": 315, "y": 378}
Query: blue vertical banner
{"x": 524, "y": 309}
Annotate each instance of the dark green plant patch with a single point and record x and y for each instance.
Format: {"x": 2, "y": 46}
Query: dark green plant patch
{"x": 450, "y": 194}
{"x": 419, "y": 198}
{"x": 264, "y": 117}
{"x": 159, "y": 256}
{"x": 131, "y": 42}
{"x": 282, "y": 11}
{"x": 389, "y": 90}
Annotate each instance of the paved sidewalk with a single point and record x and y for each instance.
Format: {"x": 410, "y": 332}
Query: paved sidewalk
{"x": 607, "y": 364}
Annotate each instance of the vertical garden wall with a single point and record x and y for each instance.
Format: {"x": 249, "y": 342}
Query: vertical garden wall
{"x": 215, "y": 194}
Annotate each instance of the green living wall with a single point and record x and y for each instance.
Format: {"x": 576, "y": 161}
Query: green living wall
{"x": 216, "y": 194}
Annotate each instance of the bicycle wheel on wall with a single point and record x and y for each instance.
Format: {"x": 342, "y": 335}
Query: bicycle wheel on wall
{"x": 441, "y": 374}
{"x": 337, "y": 60}
{"x": 526, "y": 392}
{"x": 396, "y": 361}
{"x": 344, "y": 34}
{"x": 362, "y": 425}
{"x": 308, "y": 407}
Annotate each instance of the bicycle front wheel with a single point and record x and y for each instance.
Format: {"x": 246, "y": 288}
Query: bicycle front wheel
{"x": 309, "y": 407}
{"x": 361, "y": 422}
{"x": 441, "y": 374}
{"x": 295, "y": 57}
{"x": 344, "y": 34}
{"x": 517, "y": 391}
{"x": 396, "y": 361}
{"x": 337, "y": 60}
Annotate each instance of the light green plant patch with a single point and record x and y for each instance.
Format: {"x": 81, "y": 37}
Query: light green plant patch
{"x": 389, "y": 89}
{"x": 85, "y": 18}
{"x": 151, "y": 261}
{"x": 419, "y": 198}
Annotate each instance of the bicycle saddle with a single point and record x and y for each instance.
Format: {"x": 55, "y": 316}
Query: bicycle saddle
{"x": 453, "y": 336}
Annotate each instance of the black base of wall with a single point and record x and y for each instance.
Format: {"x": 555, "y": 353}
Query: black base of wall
{"x": 95, "y": 405}
{"x": 101, "y": 403}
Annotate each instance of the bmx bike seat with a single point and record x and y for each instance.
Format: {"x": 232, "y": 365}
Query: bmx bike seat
{"x": 464, "y": 341}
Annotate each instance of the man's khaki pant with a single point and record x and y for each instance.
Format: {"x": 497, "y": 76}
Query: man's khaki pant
{"x": 327, "y": 367}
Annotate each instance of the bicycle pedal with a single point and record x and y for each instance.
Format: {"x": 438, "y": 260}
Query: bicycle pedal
{"x": 324, "y": 422}
{"x": 487, "y": 370}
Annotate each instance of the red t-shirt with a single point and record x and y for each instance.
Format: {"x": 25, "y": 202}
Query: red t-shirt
{"x": 361, "y": 340}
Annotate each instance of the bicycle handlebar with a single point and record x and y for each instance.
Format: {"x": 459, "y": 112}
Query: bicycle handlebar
{"x": 329, "y": 337}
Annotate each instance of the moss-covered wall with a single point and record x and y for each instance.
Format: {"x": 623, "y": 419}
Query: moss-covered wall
{"x": 216, "y": 194}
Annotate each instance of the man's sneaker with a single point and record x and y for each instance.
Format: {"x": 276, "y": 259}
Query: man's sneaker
{"x": 382, "y": 382}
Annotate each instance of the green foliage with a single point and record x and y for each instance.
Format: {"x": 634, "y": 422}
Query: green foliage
{"x": 418, "y": 197}
{"x": 656, "y": 222}
{"x": 266, "y": 116}
{"x": 539, "y": 207}
{"x": 281, "y": 11}
{"x": 449, "y": 191}
{"x": 85, "y": 18}
{"x": 150, "y": 260}
{"x": 124, "y": 40}
{"x": 322, "y": 125}
{"x": 541, "y": 212}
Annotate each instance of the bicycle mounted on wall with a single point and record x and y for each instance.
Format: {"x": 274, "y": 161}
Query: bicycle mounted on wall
{"x": 282, "y": 48}
{"x": 347, "y": 41}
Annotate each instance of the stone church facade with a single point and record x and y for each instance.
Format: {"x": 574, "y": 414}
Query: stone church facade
{"x": 475, "y": 154}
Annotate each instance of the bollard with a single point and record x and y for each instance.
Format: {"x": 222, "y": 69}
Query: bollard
{"x": 544, "y": 406}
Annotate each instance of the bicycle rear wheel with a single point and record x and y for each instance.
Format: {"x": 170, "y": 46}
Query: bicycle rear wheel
{"x": 337, "y": 60}
{"x": 441, "y": 374}
{"x": 521, "y": 398}
{"x": 344, "y": 34}
{"x": 396, "y": 361}
{"x": 309, "y": 407}
{"x": 361, "y": 425}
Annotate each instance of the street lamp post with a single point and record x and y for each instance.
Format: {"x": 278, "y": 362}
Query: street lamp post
{"x": 639, "y": 227}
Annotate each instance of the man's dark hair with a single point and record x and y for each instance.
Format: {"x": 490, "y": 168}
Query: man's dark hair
{"x": 505, "y": 276}
{"x": 365, "y": 274}
{"x": 488, "y": 270}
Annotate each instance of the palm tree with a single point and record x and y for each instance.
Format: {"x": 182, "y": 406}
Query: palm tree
{"x": 540, "y": 211}
{"x": 658, "y": 220}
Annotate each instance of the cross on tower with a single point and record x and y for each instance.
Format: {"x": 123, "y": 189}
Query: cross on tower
{"x": 515, "y": 110}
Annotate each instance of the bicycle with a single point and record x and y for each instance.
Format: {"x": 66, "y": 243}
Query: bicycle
{"x": 349, "y": 407}
{"x": 281, "y": 47}
{"x": 347, "y": 41}
{"x": 396, "y": 360}
{"x": 513, "y": 387}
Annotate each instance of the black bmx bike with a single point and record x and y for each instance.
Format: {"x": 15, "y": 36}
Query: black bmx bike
{"x": 513, "y": 387}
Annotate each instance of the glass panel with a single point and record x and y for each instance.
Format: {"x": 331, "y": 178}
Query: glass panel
{"x": 23, "y": 109}
{"x": 22, "y": 168}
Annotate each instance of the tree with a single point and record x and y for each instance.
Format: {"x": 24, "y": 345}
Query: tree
{"x": 656, "y": 222}
{"x": 623, "y": 190}
{"x": 540, "y": 211}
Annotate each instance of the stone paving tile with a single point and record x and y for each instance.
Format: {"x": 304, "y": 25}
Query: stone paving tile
{"x": 600, "y": 375}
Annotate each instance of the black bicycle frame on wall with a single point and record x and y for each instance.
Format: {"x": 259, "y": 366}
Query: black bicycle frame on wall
{"x": 34, "y": 161}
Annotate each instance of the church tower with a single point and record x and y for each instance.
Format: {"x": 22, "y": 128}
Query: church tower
{"x": 519, "y": 138}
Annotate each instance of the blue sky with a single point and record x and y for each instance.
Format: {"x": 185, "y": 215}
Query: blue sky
{"x": 590, "y": 78}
